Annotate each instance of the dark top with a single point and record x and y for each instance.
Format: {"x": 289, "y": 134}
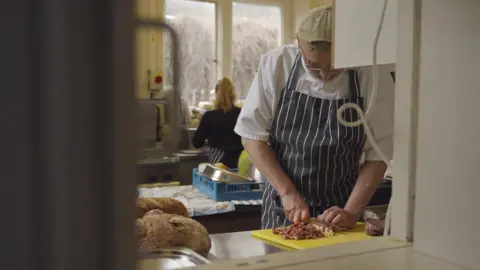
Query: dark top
{"x": 217, "y": 127}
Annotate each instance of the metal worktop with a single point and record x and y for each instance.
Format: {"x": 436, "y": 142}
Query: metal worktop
{"x": 239, "y": 245}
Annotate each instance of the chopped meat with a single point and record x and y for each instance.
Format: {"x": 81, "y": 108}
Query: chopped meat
{"x": 374, "y": 227}
{"x": 299, "y": 232}
{"x": 328, "y": 225}
{"x": 325, "y": 229}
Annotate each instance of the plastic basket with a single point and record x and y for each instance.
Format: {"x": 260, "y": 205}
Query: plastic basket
{"x": 225, "y": 192}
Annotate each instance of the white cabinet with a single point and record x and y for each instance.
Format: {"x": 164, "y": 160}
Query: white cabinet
{"x": 355, "y": 27}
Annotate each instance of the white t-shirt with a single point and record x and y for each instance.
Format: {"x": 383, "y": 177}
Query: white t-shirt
{"x": 259, "y": 108}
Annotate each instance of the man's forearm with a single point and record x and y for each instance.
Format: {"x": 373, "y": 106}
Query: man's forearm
{"x": 265, "y": 161}
{"x": 370, "y": 175}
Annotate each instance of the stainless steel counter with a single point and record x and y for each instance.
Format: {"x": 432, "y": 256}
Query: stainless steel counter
{"x": 239, "y": 245}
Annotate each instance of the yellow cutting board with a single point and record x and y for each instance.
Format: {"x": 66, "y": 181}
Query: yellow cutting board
{"x": 357, "y": 234}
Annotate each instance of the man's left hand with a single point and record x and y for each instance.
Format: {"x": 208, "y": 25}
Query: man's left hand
{"x": 340, "y": 217}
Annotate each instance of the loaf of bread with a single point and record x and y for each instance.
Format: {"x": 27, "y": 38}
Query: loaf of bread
{"x": 166, "y": 205}
{"x": 156, "y": 230}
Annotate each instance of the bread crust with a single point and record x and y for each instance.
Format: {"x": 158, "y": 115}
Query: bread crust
{"x": 166, "y": 205}
{"x": 156, "y": 230}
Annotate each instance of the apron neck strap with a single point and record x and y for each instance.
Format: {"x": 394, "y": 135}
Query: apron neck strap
{"x": 294, "y": 73}
{"x": 353, "y": 83}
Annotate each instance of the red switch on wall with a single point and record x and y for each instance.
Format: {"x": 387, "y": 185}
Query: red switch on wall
{"x": 155, "y": 82}
{"x": 158, "y": 79}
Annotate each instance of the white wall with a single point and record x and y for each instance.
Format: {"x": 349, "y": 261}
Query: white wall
{"x": 406, "y": 114}
{"x": 356, "y": 24}
{"x": 447, "y": 209}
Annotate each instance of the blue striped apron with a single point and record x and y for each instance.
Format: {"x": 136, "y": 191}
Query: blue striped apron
{"x": 320, "y": 155}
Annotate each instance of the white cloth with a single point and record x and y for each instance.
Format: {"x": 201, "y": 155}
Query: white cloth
{"x": 195, "y": 201}
{"x": 260, "y": 106}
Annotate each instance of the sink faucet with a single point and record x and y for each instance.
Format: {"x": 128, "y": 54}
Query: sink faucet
{"x": 176, "y": 108}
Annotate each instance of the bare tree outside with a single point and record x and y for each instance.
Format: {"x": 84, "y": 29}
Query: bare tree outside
{"x": 250, "y": 41}
{"x": 256, "y": 30}
{"x": 197, "y": 58}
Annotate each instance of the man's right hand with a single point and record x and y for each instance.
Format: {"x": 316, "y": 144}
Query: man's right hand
{"x": 266, "y": 162}
{"x": 296, "y": 210}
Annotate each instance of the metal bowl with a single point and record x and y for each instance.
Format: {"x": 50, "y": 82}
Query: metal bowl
{"x": 172, "y": 258}
{"x": 255, "y": 174}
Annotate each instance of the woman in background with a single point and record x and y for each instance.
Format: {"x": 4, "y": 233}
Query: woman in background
{"x": 217, "y": 127}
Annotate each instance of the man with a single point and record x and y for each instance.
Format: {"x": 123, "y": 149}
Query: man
{"x": 290, "y": 129}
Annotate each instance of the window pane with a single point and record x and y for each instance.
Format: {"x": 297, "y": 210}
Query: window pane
{"x": 195, "y": 23}
{"x": 256, "y": 30}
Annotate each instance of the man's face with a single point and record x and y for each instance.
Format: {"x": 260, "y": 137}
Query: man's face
{"x": 318, "y": 62}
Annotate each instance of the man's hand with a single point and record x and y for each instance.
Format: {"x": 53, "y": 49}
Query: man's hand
{"x": 296, "y": 210}
{"x": 340, "y": 217}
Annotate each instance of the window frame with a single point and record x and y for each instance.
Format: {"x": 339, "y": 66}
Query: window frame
{"x": 225, "y": 13}
{"x": 286, "y": 17}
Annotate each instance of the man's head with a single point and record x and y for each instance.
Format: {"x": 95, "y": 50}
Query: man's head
{"x": 314, "y": 37}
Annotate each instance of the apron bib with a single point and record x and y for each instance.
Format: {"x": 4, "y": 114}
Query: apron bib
{"x": 319, "y": 154}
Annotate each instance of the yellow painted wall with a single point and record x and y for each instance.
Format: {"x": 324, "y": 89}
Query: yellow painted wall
{"x": 148, "y": 49}
{"x": 148, "y": 45}
{"x": 319, "y": 3}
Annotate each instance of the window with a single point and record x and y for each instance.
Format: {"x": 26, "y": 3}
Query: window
{"x": 195, "y": 23}
{"x": 256, "y": 30}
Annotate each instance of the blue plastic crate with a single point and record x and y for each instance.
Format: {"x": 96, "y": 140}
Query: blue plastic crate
{"x": 223, "y": 191}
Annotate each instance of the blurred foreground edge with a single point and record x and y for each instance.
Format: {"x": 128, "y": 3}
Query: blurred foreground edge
{"x": 67, "y": 143}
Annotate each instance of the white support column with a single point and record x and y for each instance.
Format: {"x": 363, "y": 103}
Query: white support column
{"x": 447, "y": 173}
{"x": 406, "y": 110}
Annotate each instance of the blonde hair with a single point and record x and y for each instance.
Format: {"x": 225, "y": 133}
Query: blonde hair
{"x": 225, "y": 95}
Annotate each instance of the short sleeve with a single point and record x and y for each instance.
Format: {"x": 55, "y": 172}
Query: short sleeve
{"x": 380, "y": 120}
{"x": 256, "y": 116}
